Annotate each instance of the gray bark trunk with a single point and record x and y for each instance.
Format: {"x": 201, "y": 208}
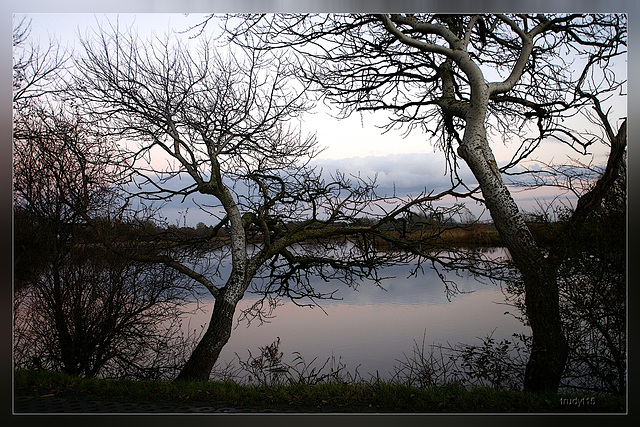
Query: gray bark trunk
{"x": 549, "y": 351}
{"x": 549, "y": 347}
{"x": 206, "y": 353}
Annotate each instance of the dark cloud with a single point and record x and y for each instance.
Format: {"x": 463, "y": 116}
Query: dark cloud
{"x": 408, "y": 174}
{"x": 404, "y": 174}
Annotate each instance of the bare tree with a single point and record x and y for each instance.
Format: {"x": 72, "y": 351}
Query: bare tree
{"x": 216, "y": 120}
{"x": 77, "y": 307}
{"x": 223, "y": 126}
{"x": 99, "y": 313}
{"x": 81, "y": 308}
{"x": 35, "y": 69}
{"x": 463, "y": 79}
{"x": 41, "y": 204}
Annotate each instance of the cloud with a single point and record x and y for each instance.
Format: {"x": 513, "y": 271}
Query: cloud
{"x": 404, "y": 174}
{"x": 407, "y": 173}
{"x": 399, "y": 174}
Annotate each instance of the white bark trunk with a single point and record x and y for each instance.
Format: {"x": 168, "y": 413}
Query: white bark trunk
{"x": 549, "y": 347}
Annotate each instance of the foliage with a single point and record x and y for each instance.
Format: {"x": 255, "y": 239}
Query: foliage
{"x": 423, "y": 370}
{"x": 592, "y": 281}
{"x": 361, "y": 397}
{"x": 593, "y": 293}
{"x": 497, "y": 365}
{"x": 268, "y": 369}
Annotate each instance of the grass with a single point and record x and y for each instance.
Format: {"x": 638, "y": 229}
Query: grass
{"x": 361, "y": 397}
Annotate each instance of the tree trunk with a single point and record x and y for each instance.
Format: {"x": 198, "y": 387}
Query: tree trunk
{"x": 549, "y": 347}
{"x": 205, "y": 355}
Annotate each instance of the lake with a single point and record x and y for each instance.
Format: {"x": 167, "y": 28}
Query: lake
{"x": 371, "y": 328}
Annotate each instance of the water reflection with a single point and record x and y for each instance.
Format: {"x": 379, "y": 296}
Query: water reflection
{"x": 401, "y": 287}
{"x": 372, "y": 327}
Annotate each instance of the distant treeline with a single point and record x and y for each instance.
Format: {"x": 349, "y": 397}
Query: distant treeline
{"x": 416, "y": 229}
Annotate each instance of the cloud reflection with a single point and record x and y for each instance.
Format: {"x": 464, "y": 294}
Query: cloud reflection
{"x": 373, "y": 328}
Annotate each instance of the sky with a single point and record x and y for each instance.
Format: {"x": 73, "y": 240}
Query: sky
{"x": 353, "y": 145}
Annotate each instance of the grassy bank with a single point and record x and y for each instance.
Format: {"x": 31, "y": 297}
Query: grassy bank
{"x": 333, "y": 398}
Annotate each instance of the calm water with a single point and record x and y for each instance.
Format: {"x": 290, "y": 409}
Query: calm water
{"x": 372, "y": 327}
